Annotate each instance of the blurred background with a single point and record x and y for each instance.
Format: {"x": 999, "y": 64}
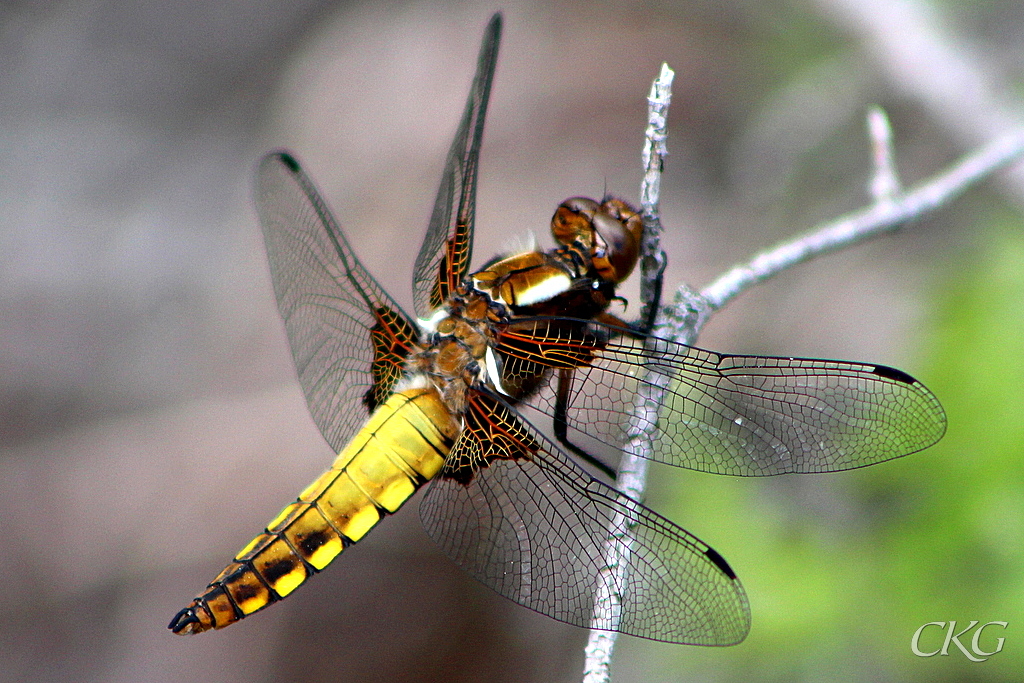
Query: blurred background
{"x": 151, "y": 424}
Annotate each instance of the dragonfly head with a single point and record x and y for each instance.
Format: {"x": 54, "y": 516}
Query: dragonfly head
{"x": 608, "y": 234}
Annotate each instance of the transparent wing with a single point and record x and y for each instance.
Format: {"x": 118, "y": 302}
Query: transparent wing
{"x": 515, "y": 512}
{"x": 444, "y": 257}
{"x": 348, "y": 337}
{"x": 726, "y": 414}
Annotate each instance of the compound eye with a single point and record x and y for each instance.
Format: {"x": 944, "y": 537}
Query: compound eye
{"x": 573, "y": 221}
{"x": 618, "y": 231}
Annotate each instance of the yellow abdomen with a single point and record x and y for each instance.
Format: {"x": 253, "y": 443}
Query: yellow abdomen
{"x": 402, "y": 446}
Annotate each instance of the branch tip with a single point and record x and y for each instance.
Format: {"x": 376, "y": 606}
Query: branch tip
{"x": 885, "y": 182}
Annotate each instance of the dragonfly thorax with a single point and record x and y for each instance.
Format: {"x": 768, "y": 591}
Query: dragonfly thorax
{"x": 599, "y": 248}
{"x": 459, "y": 341}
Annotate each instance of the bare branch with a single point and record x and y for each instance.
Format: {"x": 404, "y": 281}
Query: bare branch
{"x": 683, "y": 319}
{"x": 880, "y": 217}
{"x": 927, "y": 58}
{"x": 632, "y": 478}
{"x": 885, "y": 183}
{"x": 653, "y": 260}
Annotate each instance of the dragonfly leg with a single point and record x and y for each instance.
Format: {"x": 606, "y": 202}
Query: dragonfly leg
{"x": 561, "y": 425}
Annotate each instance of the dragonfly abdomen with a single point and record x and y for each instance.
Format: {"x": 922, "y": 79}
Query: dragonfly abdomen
{"x": 401, "y": 447}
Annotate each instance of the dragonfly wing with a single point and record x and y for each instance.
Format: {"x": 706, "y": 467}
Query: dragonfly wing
{"x": 519, "y": 515}
{"x": 349, "y": 338}
{"x": 444, "y": 257}
{"x": 727, "y": 414}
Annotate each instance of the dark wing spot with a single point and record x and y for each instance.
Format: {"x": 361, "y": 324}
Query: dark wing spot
{"x": 894, "y": 374}
{"x": 720, "y": 562}
{"x": 289, "y": 161}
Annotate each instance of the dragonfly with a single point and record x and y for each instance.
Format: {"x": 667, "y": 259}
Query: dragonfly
{"x": 507, "y": 395}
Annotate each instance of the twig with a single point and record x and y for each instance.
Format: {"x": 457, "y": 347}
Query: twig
{"x": 885, "y": 183}
{"x": 682, "y": 321}
{"x": 927, "y": 58}
{"x": 882, "y": 216}
{"x": 632, "y": 478}
{"x": 653, "y": 260}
